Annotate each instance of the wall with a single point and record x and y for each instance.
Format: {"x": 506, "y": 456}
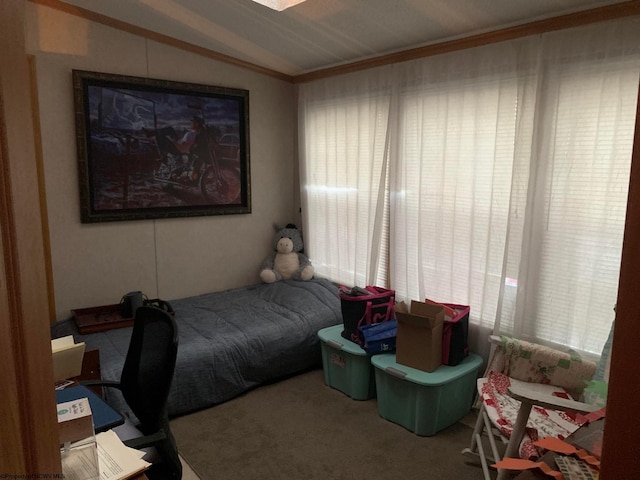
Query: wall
{"x": 95, "y": 264}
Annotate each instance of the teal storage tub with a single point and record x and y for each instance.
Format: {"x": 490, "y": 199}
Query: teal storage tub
{"x": 424, "y": 402}
{"x": 346, "y": 366}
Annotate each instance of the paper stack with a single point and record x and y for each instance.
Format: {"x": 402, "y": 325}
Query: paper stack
{"x": 116, "y": 460}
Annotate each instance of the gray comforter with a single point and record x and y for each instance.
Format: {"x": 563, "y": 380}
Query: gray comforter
{"x": 230, "y": 341}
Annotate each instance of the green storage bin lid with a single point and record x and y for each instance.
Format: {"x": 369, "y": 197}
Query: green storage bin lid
{"x": 442, "y": 375}
{"x": 332, "y": 336}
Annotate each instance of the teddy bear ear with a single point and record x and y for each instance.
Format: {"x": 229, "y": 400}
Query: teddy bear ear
{"x": 291, "y": 225}
{"x": 276, "y": 227}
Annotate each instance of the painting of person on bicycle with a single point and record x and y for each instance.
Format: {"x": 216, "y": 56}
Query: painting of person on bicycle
{"x": 166, "y": 151}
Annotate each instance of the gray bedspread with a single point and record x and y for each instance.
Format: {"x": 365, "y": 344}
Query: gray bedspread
{"x": 230, "y": 341}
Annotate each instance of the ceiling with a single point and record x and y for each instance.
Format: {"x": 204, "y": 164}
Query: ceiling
{"x": 318, "y": 34}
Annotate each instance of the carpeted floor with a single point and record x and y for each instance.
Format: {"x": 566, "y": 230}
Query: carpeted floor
{"x": 300, "y": 428}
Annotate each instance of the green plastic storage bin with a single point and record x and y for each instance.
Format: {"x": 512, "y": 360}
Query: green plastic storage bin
{"x": 423, "y": 402}
{"x": 346, "y": 366}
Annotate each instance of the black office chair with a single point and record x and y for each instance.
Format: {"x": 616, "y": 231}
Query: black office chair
{"x": 145, "y": 383}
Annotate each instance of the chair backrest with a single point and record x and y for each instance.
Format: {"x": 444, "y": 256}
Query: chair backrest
{"x": 148, "y": 369}
{"x": 530, "y": 362}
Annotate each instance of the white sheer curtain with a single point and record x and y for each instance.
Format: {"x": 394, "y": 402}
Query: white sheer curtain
{"x": 343, "y": 169}
{"x": 567, "y": 271}
{"x": 463, "y": 132}
{"x": 503, "y": 171}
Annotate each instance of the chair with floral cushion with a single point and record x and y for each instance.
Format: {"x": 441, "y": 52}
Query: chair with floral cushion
{"x": 529, "y": 392}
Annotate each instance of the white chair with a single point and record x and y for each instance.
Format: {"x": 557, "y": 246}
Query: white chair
{"x": 526, "y": 394}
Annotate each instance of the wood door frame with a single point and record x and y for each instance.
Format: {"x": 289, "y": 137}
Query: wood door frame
{"x": 622, "y": 427}
{"x": 29, "y": 440}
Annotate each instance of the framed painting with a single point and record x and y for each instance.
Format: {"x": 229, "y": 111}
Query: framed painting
{"x": 156, "y": 149}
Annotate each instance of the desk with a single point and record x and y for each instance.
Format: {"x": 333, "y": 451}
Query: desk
{"x": 104, "y": 417}
{"x": 587, "y": 437}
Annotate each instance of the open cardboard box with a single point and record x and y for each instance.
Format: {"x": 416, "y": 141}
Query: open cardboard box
{"x": 419, "y": 337}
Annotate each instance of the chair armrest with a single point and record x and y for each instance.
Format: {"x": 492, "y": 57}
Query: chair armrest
{"x": 529, "y": 394}
{"x": 101, "y": 383}
{"x": 145, "y": 441}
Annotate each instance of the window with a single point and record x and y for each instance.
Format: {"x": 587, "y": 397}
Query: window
{"x": 586, "y": 119}
{"x": 344, "y": 182}
{"x": 455, "y": 169}
{"x": 495, "y": 177}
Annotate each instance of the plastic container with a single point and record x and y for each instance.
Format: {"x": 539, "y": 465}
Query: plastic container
{"x": 424, "y": 402}
{"x": 346, "y": 366}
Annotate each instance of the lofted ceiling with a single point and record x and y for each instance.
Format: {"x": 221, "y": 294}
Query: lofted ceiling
{"x": 319, "y": 34}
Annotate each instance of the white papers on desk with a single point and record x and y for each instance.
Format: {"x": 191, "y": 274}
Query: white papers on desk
{"x": 67, "y": 357}
{"x": 117, "y": 461}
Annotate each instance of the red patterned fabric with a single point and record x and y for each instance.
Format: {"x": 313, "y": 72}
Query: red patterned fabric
{"x": 502, "y": 410}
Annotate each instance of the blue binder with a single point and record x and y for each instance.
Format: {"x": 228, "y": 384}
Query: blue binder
{"x": 104, "y": 417}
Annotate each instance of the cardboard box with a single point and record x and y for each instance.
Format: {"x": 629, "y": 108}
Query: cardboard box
{"x": 75, "y": 421}
{"x": 419, "y": 340}
{"x": 78, "y": 447}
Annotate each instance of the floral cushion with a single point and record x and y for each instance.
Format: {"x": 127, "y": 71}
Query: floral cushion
{"x": 530, "y": 362}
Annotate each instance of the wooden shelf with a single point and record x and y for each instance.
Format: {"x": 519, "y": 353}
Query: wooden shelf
{"x": 100, "y": 319}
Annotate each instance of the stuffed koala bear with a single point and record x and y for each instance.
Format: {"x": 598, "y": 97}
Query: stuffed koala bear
{"x": 287, "y": 262}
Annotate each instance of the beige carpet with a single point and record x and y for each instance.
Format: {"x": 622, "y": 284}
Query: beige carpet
{"x": 301, "y": 429}
{"x": 187, "y": 471}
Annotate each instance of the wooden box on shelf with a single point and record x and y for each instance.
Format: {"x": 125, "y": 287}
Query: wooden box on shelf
{"x": 99, "y": 319}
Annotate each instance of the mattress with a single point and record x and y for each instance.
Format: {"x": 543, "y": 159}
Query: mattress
{"x": 229, "y": 341}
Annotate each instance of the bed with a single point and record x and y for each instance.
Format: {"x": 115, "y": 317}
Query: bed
{"x": 229, "y": 341}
